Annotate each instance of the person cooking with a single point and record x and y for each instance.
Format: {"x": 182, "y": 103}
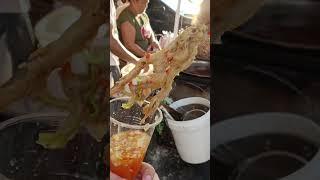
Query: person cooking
{"x": 135, "y": 30}
{"x": 117, "y": 49}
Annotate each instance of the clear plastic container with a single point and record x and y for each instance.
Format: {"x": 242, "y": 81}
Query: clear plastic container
{"x": 129, "y": 139}
{"x": 22, "y": 158}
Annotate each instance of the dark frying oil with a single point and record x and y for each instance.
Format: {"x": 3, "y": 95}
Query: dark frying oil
{"x": 267, "y": 168}
{"x": 192, "y": 111}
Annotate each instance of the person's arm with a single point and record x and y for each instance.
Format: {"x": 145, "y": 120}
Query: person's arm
{"x": 128, "y": 36}
{"x": 153, "y": 41}
{"x": 119, "y": 50}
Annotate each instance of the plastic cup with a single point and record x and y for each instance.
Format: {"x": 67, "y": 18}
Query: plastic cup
{"x": 21, "y": 157}
{"x": 129, "y": 140}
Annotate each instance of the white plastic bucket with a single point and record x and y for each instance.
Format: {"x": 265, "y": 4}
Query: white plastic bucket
{"x": 192, "y": 137}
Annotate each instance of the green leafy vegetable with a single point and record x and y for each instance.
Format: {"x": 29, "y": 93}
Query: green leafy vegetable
{"x": 58, "y": 139}
{"x": 127, "y": 105}
{"x": 160, "y": 128}
{"x": 167, "y": 101}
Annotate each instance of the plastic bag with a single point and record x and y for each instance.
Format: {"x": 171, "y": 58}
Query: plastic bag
{"x": 166, "y": 39}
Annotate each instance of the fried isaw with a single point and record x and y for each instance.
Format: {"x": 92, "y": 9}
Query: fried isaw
{"x": 167, "y": 64}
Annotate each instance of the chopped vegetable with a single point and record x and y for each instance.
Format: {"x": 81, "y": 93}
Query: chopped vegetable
{"x": 61, "y": 137}
{"x": 167, "y": 101}
{"x": 127, "y": 105}
{"x": 160, "y": 128}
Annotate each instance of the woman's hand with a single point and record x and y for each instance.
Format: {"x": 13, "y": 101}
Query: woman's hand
{"x": 155, "y": 45}
{"x": 115, "y": 177}
{"x": 146, "y": 172}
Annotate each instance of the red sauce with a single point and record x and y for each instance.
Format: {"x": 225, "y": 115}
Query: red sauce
{"x": 127, "y": 151}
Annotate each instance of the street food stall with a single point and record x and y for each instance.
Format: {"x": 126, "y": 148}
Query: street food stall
{"x": 52, "y": 124}
{"x": 174, "y": 153}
